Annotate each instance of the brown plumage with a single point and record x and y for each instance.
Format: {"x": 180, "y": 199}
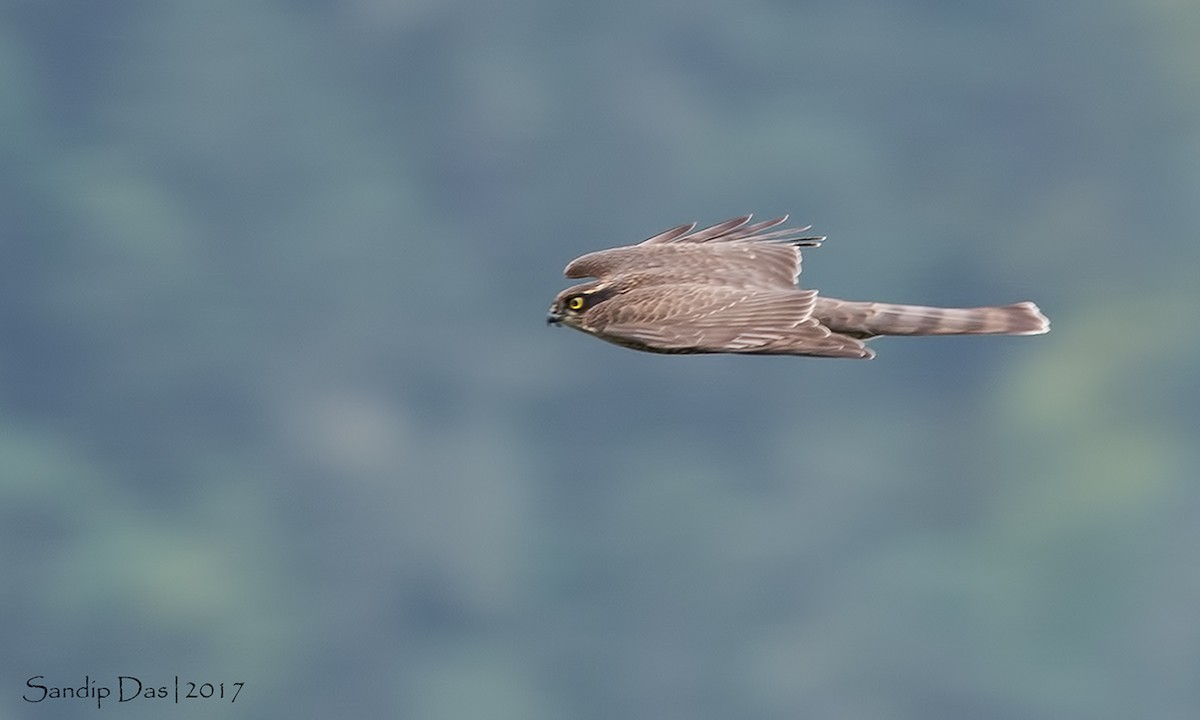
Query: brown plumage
{"x": 731, "y": 288}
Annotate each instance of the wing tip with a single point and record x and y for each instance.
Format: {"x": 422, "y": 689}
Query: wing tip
{"x": 738, "y": 229}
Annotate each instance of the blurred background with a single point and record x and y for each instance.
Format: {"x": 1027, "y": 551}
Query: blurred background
{"x": 278, "y": 404}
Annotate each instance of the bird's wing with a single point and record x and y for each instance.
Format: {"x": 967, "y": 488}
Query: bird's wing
{"x": 734, "y": 252}
{"x": 738, "y": 229}
{"x": 708, "y": 319}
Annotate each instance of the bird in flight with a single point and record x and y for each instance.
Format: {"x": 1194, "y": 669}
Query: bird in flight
{"x": 731, "y": 288}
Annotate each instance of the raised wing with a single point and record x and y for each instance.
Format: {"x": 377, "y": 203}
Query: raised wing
{"x": 719, "y": 319}
{"x": 734, "y": 253}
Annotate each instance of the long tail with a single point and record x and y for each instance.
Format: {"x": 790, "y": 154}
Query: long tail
{"x": 868, "y": 319}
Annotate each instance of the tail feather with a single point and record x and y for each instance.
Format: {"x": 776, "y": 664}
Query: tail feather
{"x": 868, "y": 319}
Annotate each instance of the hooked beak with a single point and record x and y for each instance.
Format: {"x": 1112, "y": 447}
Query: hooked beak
{"x": 553, "y": 318}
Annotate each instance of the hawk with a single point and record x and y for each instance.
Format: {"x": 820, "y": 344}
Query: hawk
{"x": 731, "y": 288}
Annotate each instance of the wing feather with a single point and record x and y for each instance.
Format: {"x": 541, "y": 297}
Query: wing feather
{"x": 738, "y": 229}
{"x": 734, "y": 252}
{"x": 670, "y": 235}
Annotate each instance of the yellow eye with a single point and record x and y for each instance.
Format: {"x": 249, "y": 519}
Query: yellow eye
{"x": 575, "y": 303}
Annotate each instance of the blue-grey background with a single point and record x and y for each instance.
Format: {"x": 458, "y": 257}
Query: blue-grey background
{"x": 278, "y": 405}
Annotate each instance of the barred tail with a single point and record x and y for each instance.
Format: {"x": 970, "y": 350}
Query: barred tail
{"x": 868, "y": 319}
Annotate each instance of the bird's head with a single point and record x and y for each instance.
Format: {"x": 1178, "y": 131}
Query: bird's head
{"x": 571, "y": 305}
